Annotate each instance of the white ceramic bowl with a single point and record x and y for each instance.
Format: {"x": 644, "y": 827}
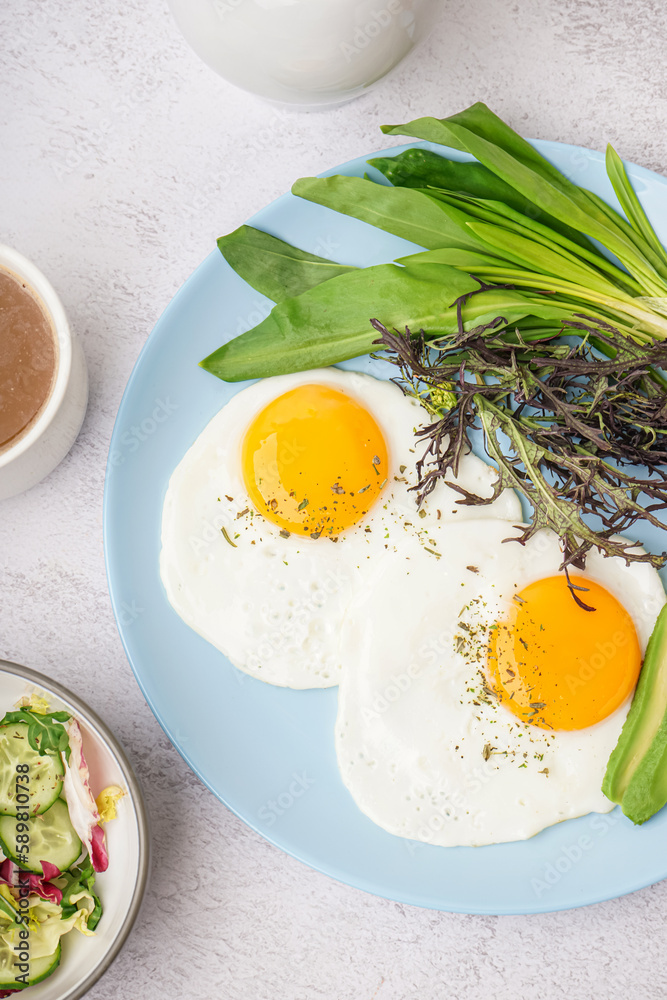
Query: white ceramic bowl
{"x": 54, "y": 432}
{"x": 122, "y": 886}
{"x": 304, "y": 53}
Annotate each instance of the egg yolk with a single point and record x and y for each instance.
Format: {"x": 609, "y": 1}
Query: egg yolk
{"x": 557, "y": 666}
{"x": 314, "y": 461}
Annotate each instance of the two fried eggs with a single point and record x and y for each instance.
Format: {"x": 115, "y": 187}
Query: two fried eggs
{"x": 478, "y": 703}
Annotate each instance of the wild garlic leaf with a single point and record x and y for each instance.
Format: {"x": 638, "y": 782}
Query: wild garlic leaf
{"x": 422, "y": 168}
{"x": 273, "y": 267}
{"x": 630, "y": 203}
{"x": 410, "y": 214}
{"x": 480, "y": 132}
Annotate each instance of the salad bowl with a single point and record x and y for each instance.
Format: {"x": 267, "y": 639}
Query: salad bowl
{"x": 121, "y": 887}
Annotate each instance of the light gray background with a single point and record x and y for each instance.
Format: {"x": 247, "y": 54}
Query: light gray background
{"x": 122, "y": 159}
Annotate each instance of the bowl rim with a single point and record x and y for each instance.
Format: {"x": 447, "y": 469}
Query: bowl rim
{"x": 15, "y": 264}
{"x": 91, "y": 718}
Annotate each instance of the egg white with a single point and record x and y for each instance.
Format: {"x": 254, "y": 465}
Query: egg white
{"x": 421, "y": 749}
{"x": 274, "y": 605}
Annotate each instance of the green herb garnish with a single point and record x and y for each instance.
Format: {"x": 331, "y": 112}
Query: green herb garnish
{"x": 225, "y": 535}
{"x": 564, "y": 425}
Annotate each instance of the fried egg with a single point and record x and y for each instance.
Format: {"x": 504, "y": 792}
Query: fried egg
{"x": 275, "y": 516}
{"x": 479, "y": 702}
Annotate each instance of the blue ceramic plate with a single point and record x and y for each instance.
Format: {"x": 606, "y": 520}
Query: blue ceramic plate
{"x": 267, "y": 752}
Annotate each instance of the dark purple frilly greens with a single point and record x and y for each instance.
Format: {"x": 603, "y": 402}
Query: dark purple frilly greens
{"x": 567, "y": 421}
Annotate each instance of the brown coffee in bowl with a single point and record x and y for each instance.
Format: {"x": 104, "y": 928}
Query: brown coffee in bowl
{"x": 28, "y": 358}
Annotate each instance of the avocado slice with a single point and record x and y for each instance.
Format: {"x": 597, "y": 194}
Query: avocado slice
{"x": 636, "y": 775}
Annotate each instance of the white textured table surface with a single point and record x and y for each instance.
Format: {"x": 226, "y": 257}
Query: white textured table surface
{"x": 122, "y": 159}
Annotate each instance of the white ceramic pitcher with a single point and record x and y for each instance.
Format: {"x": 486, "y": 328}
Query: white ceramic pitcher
{"x": 304, "y": 52}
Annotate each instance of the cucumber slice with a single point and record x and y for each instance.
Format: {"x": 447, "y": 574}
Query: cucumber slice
{"x": 51, "y": 837}
{"x": 44, "y": 775}
{"x": 38, "y": 968}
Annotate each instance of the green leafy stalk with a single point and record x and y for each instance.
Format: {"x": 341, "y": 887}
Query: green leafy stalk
{"x": 631, "y": 204}
{"x": 330, "y": 323}
{"x": 511, "y": 219}
{"x": 422, "y": 168}
{"x": 407, "y": 213}
{"x": 273, "y": 267}
{"x": 494, "y": 144}
{"x": 577, "y": 287}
